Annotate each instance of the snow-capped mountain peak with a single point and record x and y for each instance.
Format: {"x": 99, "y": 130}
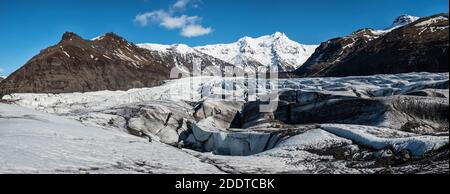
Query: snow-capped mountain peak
{"x": 399, "y": 22}
{"x": 279, "y": 35}
{"x": 182, "y": 48}
{"x": 275, "y": 50}
{"x": 402, "y": 20}
{"x": 266, "y": 39}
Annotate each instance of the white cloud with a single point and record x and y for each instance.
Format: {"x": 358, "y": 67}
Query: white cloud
{"x": 178, "y": 22}
{"x": 195, "y": 30}
{"x": 154, "y": 16}
{"x": 142, "y": 19}
{"x": 190, "y": 25}
{"x": 165, "y": 19}
{"x": 2, "y": 70}
{"x": 181, "y": 4}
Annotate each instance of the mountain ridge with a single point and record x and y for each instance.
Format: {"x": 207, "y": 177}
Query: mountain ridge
{"x": 406, "y": 48}
{"x": 274, "y": 51}
{"x": 108, "y": 62}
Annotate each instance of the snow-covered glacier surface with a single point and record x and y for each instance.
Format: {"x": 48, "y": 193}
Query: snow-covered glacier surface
{"x": 371, "y": 124}
{"x": 37, "y": 142}
{"x": 200, "y": 88}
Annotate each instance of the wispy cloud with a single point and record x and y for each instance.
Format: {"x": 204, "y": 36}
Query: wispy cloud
{"x": 181, "y": 4}
{"x": 2, "y": 70}
{"x": 195, "y": 30}
{"x": 165, "y": 19}
{"x": 190, "y": 25}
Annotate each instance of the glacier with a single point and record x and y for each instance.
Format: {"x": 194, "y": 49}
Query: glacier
{"x": 362, "y": 124}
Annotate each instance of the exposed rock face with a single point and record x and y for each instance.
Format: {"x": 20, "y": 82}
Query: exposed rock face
{"x": 108, "y": 62}
{"x": 420, "y": 46}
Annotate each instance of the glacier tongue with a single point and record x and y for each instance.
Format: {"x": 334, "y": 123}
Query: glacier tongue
{"x": 361, "y": 124}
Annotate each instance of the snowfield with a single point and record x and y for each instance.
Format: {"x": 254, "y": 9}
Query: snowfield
{"x": 371, "y": 124}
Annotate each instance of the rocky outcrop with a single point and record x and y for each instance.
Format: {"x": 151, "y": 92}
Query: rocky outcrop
{"x": 420, "y": 46}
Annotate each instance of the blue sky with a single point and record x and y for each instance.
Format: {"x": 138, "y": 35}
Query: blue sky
{"x": 26, "y": 27}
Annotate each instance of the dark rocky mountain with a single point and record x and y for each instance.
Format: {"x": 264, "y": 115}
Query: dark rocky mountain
{"x": 108, "y": 62}
{"x": 419, "y": 46}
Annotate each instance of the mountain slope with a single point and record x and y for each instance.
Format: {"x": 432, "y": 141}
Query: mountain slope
{"x": 275, "y": 50}
{"x": 108, "y": 62}
{"x": 78, "y": 65}
{"x": 183, "y": 56}
{"x": 409, "y": 45}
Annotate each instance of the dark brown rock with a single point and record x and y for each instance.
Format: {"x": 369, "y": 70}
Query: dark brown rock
{"x": 411, "y": 48}
{"x": 106, "y": 63}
